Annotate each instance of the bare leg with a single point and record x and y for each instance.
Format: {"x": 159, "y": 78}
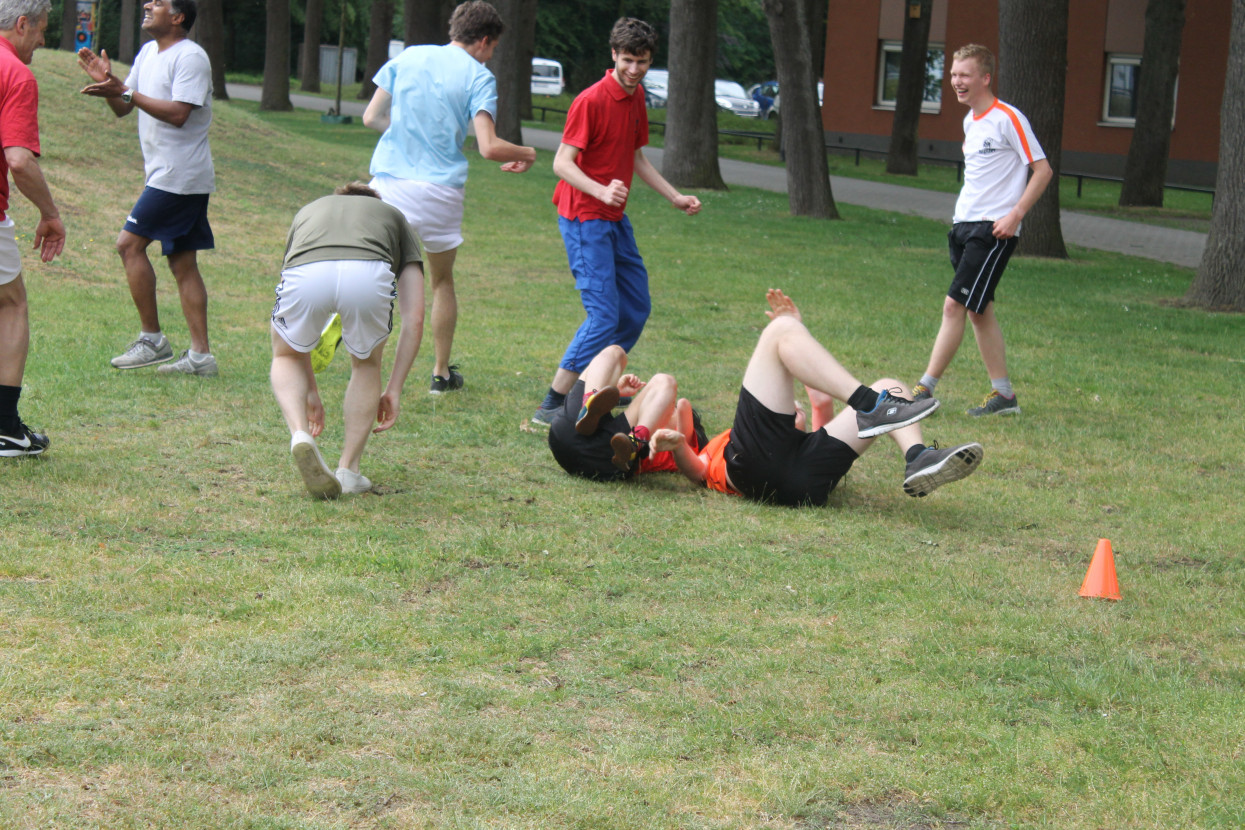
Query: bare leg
{"x": 141, "y": 277}
{"x": 604, "y": 370}
{"x": 563, "y": 380}
{"x": 293, "y": 384}
{"x": 185, "y": 268}
{"x": 950, "y": 335}
{"x": 444, "y": 308}
{"x": 14, "y": 332}
{"x": 845, "y": 429}
{"x": 359, "y": 407}
{"x": 786, "y": 352}
{"x": 990, "y": 342}
{"x": 653, "y": 406}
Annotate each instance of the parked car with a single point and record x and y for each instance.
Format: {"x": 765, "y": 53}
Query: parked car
{"x": 732, "y": 98}
{"x": 764, "y": 94}
{"x": 773, "y": 110}
{"x": 655, "y": 85}
{"x": 547, "y": 77}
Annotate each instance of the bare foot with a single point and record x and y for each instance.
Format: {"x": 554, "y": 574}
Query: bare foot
{"x": 666, "y": 440}
{"x": 781, "y": 305}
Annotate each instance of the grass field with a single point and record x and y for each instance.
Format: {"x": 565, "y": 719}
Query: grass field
{"x": 187, "y": 640}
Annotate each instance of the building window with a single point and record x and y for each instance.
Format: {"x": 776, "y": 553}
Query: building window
{"x": 1119, "y": 98}
{"x": 888, "y": 76}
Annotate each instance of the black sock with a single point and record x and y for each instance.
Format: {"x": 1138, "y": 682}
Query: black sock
{"x": 553, "y": 400}
{"x": 863, "y": 399}
{"x": 9, "y": 421}
{"x": 913, "y": 452}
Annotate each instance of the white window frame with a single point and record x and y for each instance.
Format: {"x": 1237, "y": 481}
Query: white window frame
{"x": 1113, "y": 60}
{"x": 896, "y": 47}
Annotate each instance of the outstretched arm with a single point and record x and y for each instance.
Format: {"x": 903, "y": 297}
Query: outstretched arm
{"x": 411, "y": 309}
{"x": 517, "y": 159}
{"x": 653, "y": 178}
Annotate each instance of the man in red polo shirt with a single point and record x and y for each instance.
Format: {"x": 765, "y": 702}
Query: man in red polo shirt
{"x": 600, "y": 151}
{"x": 21, "y": 32}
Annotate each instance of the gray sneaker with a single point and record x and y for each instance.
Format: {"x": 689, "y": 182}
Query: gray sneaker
{"x": 921, "y": 392}
{"x": 184, "y": 365}
{"x": 544, "y": 417}
{"x": 934, "y": 468}
{"x": 142, "y": 352}
{"x": 891, "y": 413}
{"x": 996, "y": 404}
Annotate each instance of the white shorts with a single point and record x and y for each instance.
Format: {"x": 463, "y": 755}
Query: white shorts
{"x": 361, "y": 292}
{"x": 435, "y": 211}
{"x": 10, "y": 257}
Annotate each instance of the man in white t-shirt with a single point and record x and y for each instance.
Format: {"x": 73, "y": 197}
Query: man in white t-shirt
{"x": 424, "y": 102}
{"x": 1000, "y": 153}
{"x": 170, "y": 85}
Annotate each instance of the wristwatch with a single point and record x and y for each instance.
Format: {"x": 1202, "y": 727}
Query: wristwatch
{"x": 127, "y": 96}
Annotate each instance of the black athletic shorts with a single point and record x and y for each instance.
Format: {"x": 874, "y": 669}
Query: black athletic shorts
{"x": 589, "y": 456}
{"x": 979, "y": 260}
{"x": 769, "y": 460}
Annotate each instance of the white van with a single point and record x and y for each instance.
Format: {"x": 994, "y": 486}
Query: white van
{"x": 547, "y": 77}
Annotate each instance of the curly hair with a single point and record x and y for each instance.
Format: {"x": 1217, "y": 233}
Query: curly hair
{"x": 356, "y": 188}
{"x": 633, "y": 36}
{"x": 979, "y": 53}
{"x": 474, "y": 21}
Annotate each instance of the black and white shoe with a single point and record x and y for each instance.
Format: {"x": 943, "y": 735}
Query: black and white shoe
{"x": 446, "y": 384}
{"x": 24, "y": 441}
{"x": 935, "y": 467}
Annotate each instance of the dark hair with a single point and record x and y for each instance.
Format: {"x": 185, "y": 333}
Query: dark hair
{"x": 633, "y": 36}
{"x": 356, "y": 188}
{"x": 188, "y": 11}
{"x": 474, "y": 21}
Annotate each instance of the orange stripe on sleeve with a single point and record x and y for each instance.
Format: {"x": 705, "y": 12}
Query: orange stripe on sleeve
{"x": 1024, "y": 140}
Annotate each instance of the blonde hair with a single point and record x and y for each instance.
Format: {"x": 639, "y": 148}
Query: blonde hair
{"x": 979, "y": 53}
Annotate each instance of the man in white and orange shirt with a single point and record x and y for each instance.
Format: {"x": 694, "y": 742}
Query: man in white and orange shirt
{"x": 1000, "y": 153}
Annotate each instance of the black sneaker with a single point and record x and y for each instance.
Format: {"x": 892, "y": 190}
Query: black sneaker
{"x": 891, "y": 413}
{"x": 597, "y": 405}
{"x": 934, "y": 468}
{"x": 440, "y": 384}
{"x": 23, "y": 441}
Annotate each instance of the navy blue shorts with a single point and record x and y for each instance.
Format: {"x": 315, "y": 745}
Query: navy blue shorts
{"x": 769, "y": 460}
{"x": 179, "y": 221}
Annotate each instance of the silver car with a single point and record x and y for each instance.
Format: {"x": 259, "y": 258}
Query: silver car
{"x": 731, "y": 97}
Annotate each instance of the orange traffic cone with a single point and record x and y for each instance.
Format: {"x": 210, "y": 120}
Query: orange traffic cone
{"x": 1100, "y": 578}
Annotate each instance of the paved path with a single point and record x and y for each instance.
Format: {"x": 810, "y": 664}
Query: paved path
{"x": 1083, "y": 229}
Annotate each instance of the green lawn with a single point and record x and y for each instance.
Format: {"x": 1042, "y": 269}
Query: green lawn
{"x": 187, "y": 640}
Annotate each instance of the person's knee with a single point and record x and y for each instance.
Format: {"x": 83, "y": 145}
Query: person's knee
{"x": 892, "y": 385}
{"x": 663, "y": 381}
{"x": 953, "y": 309}
{"x": 13, "y": 297}
{"x": 129, "y": 246}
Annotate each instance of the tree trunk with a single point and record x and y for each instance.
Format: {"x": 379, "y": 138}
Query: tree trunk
{"x": 1146, "y": 167}
{"x": 425, "y": 21}
{"x": 691, "y": 154}
{"x": 380, "y": 30}
{"x": 1033, "y": 53}
{"x": 512, "y": 66}
{"x": 275, "y": 95}
{"x": 69, "y": 27}
{"x": 127, "y": 30}
{"x": 210, "y": 29}
{"x": 1220, "y": 280}
{"x": 901, "y": 158}
{"x": 808, "y": 178}
{"x": 309, "y": 71}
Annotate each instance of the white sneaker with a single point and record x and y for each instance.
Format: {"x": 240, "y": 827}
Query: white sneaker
{"x": 186, "y": 365}
{"x": 320, "y": 481}
{"x": 143, "y": 352}
{"x": 353, "y": 482}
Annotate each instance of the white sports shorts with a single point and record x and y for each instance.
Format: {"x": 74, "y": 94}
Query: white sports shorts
{"x": 10, "y": 257}
{"x": 361, "y": 292}
{"x": 435, "y": 211}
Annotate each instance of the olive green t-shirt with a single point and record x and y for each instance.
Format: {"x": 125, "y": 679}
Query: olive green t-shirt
{"x": 351, "y": 228}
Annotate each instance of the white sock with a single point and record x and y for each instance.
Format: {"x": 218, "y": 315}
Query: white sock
{"x": 157, "y": 338}
{"x": 196, "y": 357}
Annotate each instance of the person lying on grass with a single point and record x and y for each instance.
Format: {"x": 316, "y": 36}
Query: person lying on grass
{"x": 767, "y": 456}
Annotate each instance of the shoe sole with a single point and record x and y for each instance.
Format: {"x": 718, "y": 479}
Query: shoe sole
{"x": 623, "y": 450}
{"x": 168, "y": 370}
{"x": 601, "y": 404}
{"x": 143, "y": 365}
{"x": 1011, "y": 410}
{"x": 954, "y": 467}
{"x": 20, "y": 453}
{"x": 882, "y": 429}
{"x": 318, "y": 478}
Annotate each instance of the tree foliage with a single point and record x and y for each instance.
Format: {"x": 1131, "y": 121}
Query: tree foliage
{"x": 1033, "y": 53}
{"x": 1220, "y": 280}
{"x": 1145, "y": 169}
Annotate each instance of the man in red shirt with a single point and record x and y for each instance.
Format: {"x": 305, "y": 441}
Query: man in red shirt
{"x": 767, "y": 456}
{"x": 600, "y": 152}
{"x": 21, "y": 32}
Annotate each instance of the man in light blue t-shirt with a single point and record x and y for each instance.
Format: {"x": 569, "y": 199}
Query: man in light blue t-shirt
{"x": 425, "y": 100}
